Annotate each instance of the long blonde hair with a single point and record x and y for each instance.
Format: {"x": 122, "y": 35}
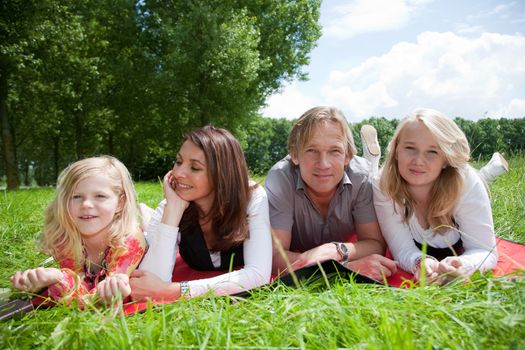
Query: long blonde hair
{"x": 448, "y": 187}
{"x": 60, "y": 237}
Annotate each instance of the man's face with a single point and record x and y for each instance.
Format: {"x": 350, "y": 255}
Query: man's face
{"x": 323, "y": 160}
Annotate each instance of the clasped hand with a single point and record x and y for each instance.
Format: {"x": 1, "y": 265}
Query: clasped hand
{"x": 113, "y": 286}
{"x": 442, "y": 272}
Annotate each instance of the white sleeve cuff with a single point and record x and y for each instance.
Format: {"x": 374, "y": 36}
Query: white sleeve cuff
{"x": 162, "y": 252}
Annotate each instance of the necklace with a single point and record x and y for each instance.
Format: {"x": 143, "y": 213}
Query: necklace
{"x": 91, "y": 267}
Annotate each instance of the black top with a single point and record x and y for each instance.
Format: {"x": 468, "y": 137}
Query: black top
{"x": 193, "y": 250}
{"x": 441, "y": 253}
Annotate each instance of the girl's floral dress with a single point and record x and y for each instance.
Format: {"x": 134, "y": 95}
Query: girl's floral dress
{"x": 80, "y": 283}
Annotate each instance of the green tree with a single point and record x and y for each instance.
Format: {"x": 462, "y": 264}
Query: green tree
{"x": 77, "y": 87}
{"x": 265, "y": 142}
{"x": 217, "y": 61}
{"x": 17, "y": 19}
{"x": 512, "y": 131}
{"x": 385, "y": 130}
{"x": 129, "y": 78}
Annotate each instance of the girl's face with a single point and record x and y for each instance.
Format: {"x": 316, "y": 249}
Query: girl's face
{"x": 419, "y": 158}
{"x": 93, "y": 206}
{"x": 191, "y": 176}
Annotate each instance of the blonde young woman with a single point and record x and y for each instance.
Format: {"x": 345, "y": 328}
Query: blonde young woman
{"x": 428, "y": 194}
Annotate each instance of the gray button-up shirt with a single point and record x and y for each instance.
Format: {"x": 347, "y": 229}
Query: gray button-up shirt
{"x": 292, "y": 210}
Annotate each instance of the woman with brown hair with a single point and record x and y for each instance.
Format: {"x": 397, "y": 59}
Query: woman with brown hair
{"x": 215, "y": 216}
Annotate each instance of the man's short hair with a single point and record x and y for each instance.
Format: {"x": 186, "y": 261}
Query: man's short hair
{"x": 304, "y": 127}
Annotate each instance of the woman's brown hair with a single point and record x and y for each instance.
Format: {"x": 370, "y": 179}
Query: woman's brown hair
{"x": 228, "y": 176}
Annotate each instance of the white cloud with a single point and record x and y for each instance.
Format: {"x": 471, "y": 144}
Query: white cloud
{"x": 500, "y": 11}
{"x": 468, "y": 29}
{"x": 458, "y": 75}
{"x": 515, "y": 109}
{"x": 363, "y": 16}
{"x": 518, "y": 20}
{"x": 290, "y": 103}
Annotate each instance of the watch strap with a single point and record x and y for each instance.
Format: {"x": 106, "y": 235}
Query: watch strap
{"x": 342, "y": 250}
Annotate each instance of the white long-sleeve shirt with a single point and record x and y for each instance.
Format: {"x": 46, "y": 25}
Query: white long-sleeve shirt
{"x": 472, "y": 214}
{"x": 163, "y": 241}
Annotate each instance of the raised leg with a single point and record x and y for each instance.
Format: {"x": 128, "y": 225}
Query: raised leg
{"x": 496, "y": 166}
{"x": 371, "y": 148}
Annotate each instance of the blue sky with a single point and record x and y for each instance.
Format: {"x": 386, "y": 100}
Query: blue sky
{"x": 387, "y": 57}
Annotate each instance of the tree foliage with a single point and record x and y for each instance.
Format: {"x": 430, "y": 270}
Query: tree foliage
{"x": 129, "y": 78}
{"x": 485, "y": 136}
{"x": 266, "y": 142}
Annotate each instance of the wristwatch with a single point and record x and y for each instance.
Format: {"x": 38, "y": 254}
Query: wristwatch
{"x": 342, "y": 250}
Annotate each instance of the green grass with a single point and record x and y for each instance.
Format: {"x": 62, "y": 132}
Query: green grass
{"x": 487, "y": 313}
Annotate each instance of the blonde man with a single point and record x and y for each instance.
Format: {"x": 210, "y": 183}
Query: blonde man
{"x": 320, "y": 195}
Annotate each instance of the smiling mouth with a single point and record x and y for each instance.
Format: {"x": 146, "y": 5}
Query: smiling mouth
{"x": 183, "y": 186}
{"x": 87, "y": 217}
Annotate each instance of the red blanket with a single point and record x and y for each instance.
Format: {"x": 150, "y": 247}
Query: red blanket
{"x": 511, "y": 259}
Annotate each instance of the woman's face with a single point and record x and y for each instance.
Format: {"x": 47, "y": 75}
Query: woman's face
{"x": 191, "y": 176}
{"x": 419, "y": 158}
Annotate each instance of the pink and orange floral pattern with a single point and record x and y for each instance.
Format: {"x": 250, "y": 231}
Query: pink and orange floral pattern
{"x": 79, "y": 284}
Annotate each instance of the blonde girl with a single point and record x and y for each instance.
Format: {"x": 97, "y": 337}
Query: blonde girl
{"x": 429, "y": 195}
{"x": 91, "y": 230}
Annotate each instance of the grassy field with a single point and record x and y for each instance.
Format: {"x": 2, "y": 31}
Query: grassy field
{"x": 487, "y": 313}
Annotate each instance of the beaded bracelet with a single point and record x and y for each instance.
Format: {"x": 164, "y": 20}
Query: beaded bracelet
{"x": 419, "y": 259}
{"x": 185, "y": 289}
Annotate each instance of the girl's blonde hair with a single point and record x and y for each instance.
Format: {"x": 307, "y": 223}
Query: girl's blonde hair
{"x": 448, "y": 187}
{"x": 60, "y": 237}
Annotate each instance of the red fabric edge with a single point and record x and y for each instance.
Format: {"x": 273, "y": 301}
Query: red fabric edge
{"x": 511, "y": 258}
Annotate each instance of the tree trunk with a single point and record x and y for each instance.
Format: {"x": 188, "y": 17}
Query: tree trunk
{"x": 27, "y": 180}
{"x": 56, "y": 157}
{"x": 8, "y": 143}
{"x": 78, "y": 116}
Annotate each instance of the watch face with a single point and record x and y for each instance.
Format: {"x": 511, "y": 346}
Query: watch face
{"x": 344, "y": 251}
